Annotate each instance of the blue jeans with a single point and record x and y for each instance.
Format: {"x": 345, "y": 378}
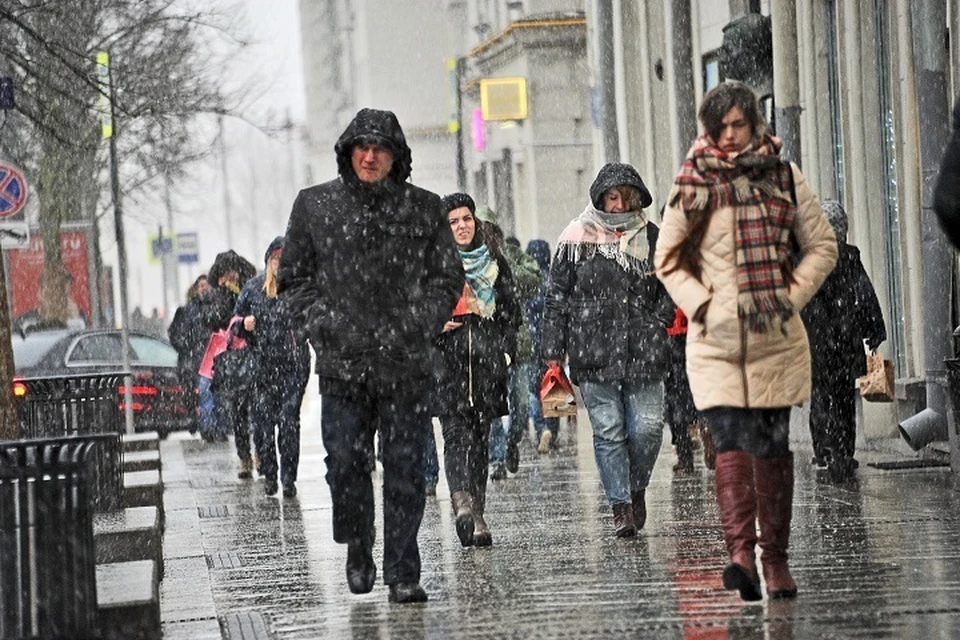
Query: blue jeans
{"x": 540, "y": 424}
{"x": 627, "y": 421}
{"x": 512, "y": 429}
{"x": 206, "y": 407}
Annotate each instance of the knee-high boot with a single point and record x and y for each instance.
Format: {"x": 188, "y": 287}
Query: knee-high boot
{"x": 737, "y": 500}
{"x": 774, "y": 480}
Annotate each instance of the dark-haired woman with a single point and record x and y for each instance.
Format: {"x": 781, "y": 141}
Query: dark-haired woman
{"x": 472, "y": 378}
{"x": 189, "y": 337}
{"x": 607, "y": 314}
{"x": 736, "y": 217}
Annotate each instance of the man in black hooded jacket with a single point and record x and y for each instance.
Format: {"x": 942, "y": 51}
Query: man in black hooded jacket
{"x": 370, "y": 273}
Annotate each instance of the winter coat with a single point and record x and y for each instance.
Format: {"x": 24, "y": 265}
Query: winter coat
{"x": 274, "y": 345}
{"x": 728, "y": 365}
{"x": 215, "y": 308}
{"x": 539, "y": 250}
{"x": 527, "y": 281}
{"x": 370, "y": 273}
{"x": 188, "y": 335}
{"x": 609, "y": 322}
{"x": 843, "y": 313}
{"x": 946, "y": 195}
{"x": 472, "y": 372}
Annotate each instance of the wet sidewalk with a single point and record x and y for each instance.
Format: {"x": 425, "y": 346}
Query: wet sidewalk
{"x": 875, "y": 558}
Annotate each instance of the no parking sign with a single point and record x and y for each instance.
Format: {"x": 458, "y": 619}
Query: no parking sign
{"x": 13, "y": 191}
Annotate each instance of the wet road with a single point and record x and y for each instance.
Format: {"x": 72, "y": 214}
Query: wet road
{"x": 876, "y": 558}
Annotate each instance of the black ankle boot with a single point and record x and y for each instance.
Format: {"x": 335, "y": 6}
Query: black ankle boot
{"x": 407, "y": 592}
{"x": 361, "y": 571}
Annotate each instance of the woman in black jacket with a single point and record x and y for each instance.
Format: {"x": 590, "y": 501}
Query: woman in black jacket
{"x": 279, "y": 368}
{"x": 189, "y": 338}
{"x": 607, "y": 313}
{"x": 472, "y": 380}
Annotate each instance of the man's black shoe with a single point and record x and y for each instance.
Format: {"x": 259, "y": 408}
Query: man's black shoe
{"x": 361, "y": 571}
{"x": 407, "y": 592}
{"x": 289, "y": 490}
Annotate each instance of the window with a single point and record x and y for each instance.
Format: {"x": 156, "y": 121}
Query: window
{"x": 711, "y": 70}
{"x": 97, "y": 348}
{"x": 152, "y": 352}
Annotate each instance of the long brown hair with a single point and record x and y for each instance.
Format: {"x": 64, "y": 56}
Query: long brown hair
{"x": 716, "y": 104}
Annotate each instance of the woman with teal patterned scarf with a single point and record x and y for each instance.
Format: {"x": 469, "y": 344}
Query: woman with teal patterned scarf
{"x": 472, "y": 374}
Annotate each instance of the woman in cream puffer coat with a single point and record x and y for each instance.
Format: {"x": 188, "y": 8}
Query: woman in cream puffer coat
{"x": 737, "y": 222}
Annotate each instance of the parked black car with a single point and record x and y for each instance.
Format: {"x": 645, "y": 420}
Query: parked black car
{"x": 160, "y": 402}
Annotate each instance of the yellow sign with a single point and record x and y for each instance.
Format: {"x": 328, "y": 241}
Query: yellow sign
{"x": 103, "y": 82}
{"x": 503, "y": 98}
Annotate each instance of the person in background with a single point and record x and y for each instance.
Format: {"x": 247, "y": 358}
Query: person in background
{"x": 280, "y": 367}
{"x": 471, "y": 389}
{"x": 727, "y": 257}
{"x": 946, "y": 194}
{"x": 545, "y": 429}
{"x": 505, "y": 435}
{"x": 679, "y": 411}
{"x": 370, "y": 274}
{"x": 841, "y": 316}
{"x": 189, "y": 338}
{"x": 607, "y": 313}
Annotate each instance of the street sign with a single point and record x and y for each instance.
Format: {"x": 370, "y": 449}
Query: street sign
{"x": 14, "y": 235}
{"x": 159, "y": 247}
{"x": 13, "y": 191}
{"x": 188, "y": 248}
{"x": 6, "y": 94}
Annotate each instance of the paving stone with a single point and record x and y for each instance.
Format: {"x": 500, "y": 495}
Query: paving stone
{"x": 875, "y": 558}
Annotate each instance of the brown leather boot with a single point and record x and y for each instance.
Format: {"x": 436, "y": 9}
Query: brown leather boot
{"x": 481, "y": 533}
{"x": 246, "y": 469}
{"x": 462, "y": 503}
{"x": 774, "y": 511}
{"x": 737, "y": 500}
{"x": 623, "y": 524}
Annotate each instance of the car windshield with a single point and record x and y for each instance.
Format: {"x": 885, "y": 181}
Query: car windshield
{"x": 152, "y": 352}
{"x": 27, "y": 352}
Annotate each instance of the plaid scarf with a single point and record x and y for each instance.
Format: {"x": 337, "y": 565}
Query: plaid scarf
{"x": 759, "y": 186}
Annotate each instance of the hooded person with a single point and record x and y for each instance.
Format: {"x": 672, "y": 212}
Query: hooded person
{"x": 606, "y": 314}
{"x": 545, "y": 429}
{"x": 369, "y": 274}
{"x": 218, "y": 415}
{"x": 843, "y": 315}
{"x": 279, "y": 368}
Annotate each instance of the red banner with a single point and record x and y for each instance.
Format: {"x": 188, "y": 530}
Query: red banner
{"x": 26, "y": 267}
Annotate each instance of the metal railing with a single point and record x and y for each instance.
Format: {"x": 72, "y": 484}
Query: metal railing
{"x": 79, "y": 405}
{"x": 48, "y": 562}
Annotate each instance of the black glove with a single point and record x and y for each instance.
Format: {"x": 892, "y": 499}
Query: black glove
{"x": 873, "y": 343}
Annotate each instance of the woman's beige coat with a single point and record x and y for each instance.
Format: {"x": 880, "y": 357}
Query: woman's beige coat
{"x": 727, "y": 364}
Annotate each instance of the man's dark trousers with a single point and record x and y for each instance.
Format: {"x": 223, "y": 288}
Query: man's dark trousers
{"x": 348, "y": 425}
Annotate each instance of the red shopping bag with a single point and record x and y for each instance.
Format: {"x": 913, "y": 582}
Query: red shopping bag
{"x": 219, "y": 342}
{"x": 556, "y": 394}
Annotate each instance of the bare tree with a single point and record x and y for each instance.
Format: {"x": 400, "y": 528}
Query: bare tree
{"x": 165, "y": 71}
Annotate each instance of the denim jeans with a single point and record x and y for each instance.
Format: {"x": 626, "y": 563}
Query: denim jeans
{"x": 512, "y": 429}
{"x": 627, "y": 421}
{"x": 348, "y": 425}
{"x": 540, "y": 424}
{"x": 206, "y": 407}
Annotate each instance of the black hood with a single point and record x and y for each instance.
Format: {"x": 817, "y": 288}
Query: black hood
{"x": 615, "y": 174}
{"x": 380, "y": 127}
{"x": 276, "y": 243}
{"x": 539, "y": 250}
